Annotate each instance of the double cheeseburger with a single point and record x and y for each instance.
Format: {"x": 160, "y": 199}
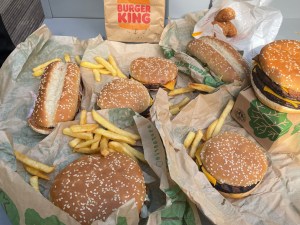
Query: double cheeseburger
{"x": 58, "y": 97}
{"x": 233, "y": 164}
{"x": 220, "y": 57}
{"x": 276, "y": 76}
{"x": 93, "y": 187}
{"x": 124, "y": 93}
{"x": 154, "y": 72}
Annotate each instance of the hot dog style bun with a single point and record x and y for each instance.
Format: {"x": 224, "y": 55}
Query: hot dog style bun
{"x": 276, "y": 76}
{"x": 93, "y": 187}
{"x": 220, "y": 57}
{"x": 58, "y": 97}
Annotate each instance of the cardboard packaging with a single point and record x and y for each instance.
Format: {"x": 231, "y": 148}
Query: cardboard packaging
{"x": 267, "y": 126}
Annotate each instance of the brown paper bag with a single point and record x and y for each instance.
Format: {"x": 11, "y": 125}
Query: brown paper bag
{"x": 134, "y": 20}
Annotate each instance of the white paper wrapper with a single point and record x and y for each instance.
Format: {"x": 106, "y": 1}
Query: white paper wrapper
{"x": 257, "y": 24}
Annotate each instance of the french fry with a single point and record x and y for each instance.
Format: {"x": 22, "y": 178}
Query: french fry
{"x": 195, "y": 143}
{"x": 32, "y": 163}
{"x": 104, "y": 71}
{"x": 85, "y": 136}
{"x": 78, "y": 60}
{"x": 104, "y": 146}
{"x": 74, "y": 142}
{"x": 175, "y": 110}
{"x": 44, "y": 65}
{"x": 86, "y": 150}
{"x": 223, "y": 116}
{"x": 36, "y": 172}
{"x": 106, "y": 64}
{"x": 112, "y": 61}
{"x": 83, "y": 117}
{"x": 210, "y": 130}
{"x": 181, "y": 104}
{"x": 108, "y": 125}
{"x": 114, "y": 136}
{"x": 201, "y": 87}
{"x": 120, "y": 148}
{"x": 34, "y": 182}
{"x": 97, "y": 75}
{"x": 67, "y": 57}
{"x": 197, "y": 154}
{"x": 77, "y": 128}
{"x": 189, "y": 139}
{"x": 95, "y": 145}
{"x": 135, "y": 152}
{"x": 90, "y": 65}
{"x": 180, "y": 91}
{"x": 38, "y": 73}
{"x": 86, "y": 143}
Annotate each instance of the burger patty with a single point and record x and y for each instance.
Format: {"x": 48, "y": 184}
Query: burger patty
{"x": 227, "y": 188}
{"x": 261, "y": 80}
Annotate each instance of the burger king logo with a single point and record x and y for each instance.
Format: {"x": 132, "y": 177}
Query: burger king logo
{"x": 134, "y": 14}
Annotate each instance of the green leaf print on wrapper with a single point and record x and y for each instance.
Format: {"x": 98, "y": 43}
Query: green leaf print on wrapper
{"x": 9, "y": 208}
{"x": 296, "y": 129}
{"x": 266, "y": 122}
{"x": 121, "y": 117}
{"x": 33, "y": 218}
{"x": 122, "y": 220}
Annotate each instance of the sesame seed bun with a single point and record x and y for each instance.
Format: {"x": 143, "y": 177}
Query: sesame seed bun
{"x": 221, "y": 58}
{"x": 153, "y": 71}
{"x": 277, "y": 68}
{"x": 124, "y": 93}
{"x": 235, "y": 161}
{"x": 92, "y": 187}
{"x": 58, "y": 97}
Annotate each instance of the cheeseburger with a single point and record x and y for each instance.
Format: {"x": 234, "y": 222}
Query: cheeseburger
{"x": 124, "y": 93}
{"x": 58, "y": 97}
{"x": 276, "y": 76}
{"x": 220, "y": 57}
{"x": 154, "y": 72}
{"x": 233, "y": 164}
{"x": 92, "y": 187}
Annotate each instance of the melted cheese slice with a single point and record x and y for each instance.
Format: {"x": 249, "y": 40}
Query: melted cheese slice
{"x": 170, "y": 85}
{"x": 292, "y": 102}
{"x": 209, "y": 177}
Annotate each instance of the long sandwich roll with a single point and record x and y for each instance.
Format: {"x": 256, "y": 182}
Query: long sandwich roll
{"x": 58, "y": 97}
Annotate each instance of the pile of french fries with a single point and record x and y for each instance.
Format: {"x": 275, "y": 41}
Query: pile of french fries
{"x": 103, "y": 66}
{"x": 193, "y": 140}
{"x": 39, "y": 70}
{"x": 35, "y": 168}
{"x": 103, "y": 137}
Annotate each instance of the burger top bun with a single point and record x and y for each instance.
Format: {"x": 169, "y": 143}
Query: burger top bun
{"x": 153, "y": 70}
{"x": 92, "y": 187}
{"x": 233, "y": 159}
{"x": 280, "y": 60}
{"x": 221, "y": 58}
{"x": 124, "y": 93}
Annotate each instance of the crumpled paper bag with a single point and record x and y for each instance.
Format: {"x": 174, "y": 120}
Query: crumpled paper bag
{"x": 275, "y": 201}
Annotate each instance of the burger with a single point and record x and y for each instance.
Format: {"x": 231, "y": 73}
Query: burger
{"x": 220, "y": 57}
{"x": 58, "y": 97}
{"x": 233, "y": 164}
{"x": 124, "y": 93}
{"x": 92, "y": 187}
{"x": 154, "y": 72}
{"x": 276, "y": 76}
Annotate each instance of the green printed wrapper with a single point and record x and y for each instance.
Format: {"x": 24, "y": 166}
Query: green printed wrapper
{"x": 270, "y": 128}
{"x": 275, "y": 201}
{"x": 166, "y": 203}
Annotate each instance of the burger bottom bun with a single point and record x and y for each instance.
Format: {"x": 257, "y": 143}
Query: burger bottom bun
{"x": 238, "y": 195}
{"x": 269, "y": 103}
{"x": 38, "y": 129}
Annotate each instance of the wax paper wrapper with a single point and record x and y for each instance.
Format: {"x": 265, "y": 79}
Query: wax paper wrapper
{"x": 165, "y": 203}
{"x": 257, "y": 24}
{"x": 275, "y": 201}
